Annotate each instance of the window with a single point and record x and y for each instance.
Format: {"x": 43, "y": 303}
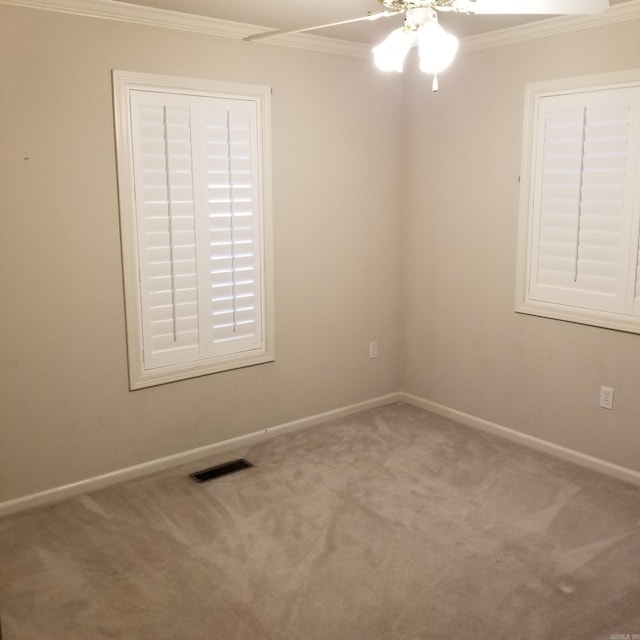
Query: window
{"x": 195, "y": 224}
{"x": 580, "y": 202}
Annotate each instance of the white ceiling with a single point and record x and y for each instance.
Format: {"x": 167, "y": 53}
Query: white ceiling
{"x": 290, "y": 14}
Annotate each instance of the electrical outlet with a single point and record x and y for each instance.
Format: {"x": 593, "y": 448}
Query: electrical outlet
{"x": 606, "y": 397}
{"x": 373, "y": 350}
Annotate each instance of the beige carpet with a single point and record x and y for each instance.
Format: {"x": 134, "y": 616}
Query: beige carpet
{"x": 390, "y": 524}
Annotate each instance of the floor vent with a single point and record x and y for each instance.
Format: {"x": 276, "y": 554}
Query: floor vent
{"x": 220, "y": 470}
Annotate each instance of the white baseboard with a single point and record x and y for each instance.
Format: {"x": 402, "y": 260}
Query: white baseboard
{"x": 570, "y": 455}
{"x": 57, "y": 494}
{"x": 161, "y": 464}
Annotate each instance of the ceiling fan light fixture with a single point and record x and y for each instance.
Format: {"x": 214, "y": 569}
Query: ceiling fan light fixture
{"x": 390, "y": 54}
{"x": 436, "y": 47}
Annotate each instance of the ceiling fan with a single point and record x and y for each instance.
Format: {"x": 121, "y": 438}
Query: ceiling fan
{"x": 437, "y": 48}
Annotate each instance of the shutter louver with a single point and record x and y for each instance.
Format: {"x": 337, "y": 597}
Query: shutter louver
{"x": 166, "y": 233}
{"x": 583, "y": 212}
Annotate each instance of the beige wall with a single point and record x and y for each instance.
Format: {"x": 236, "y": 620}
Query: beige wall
{"x": 65, "y": 408}
{"x": 463, "y": 344}
{"x": 66, "y": 412}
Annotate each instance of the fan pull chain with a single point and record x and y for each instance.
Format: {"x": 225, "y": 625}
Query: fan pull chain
{"x": 434, "y": 86}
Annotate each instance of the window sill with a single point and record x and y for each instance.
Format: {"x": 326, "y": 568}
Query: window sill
{"x": 152, "y": 377}
{"x": 602, "y": 319}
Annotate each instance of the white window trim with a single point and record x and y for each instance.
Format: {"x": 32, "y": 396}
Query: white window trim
{"x": 123, "y": 83}
{"x": 523, "y": 303}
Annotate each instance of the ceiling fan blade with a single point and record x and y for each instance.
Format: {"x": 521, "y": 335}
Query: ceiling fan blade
{"x": 531, "y": 7}
{"x": 279, "y": 32}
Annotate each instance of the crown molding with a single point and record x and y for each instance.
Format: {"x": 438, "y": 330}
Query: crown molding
{"x": 163, "y": 18}
{"x": 148, "y": 16}
{"x": 552, "y": 26}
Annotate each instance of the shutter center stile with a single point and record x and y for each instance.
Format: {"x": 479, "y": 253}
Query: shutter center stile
{"x": 172, "y": 273}
{"x": 231, "y": 225}
{"x": 580, "y": 195}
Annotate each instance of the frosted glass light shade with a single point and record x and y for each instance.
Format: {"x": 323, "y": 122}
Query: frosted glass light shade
{"x": 437, "y": 48}
{"x": 389, "y": 55}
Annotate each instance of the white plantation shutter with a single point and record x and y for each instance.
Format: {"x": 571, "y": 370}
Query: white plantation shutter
{"x": 584, "y": 203}
{"x": 195, "y": 161}
{"x": 161, "y": 126}
{"x": 229, "y": 227}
